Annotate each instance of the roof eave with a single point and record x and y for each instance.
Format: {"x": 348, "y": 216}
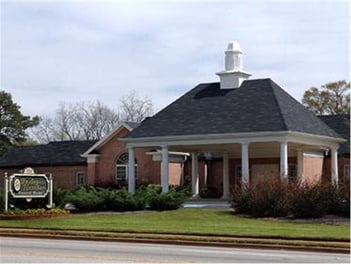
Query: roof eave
{"x": 266, "y": 136}
{"x": 105, "y": 139}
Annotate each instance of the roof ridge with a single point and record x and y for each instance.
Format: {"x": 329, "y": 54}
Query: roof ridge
{"x": 307, "y": 112}
{"x": 271, "y": 83}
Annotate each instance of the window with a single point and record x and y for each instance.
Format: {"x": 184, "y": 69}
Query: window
{"x": 80, "y": 179}
{"x": 122, "y": 167}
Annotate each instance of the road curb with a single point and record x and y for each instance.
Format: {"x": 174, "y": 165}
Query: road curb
{"x": 330, "y": 246}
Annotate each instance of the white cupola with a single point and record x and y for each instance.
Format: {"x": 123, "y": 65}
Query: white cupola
{"x": 234, "y": 73}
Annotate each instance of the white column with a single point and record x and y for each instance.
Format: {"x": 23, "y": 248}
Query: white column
{"x": 6, "y": 193}
{"x": 245, "y": 178}
{"x": 51, "y": 190}
{"x": 225, "y": 176}
{"x": 194, "y": 174}
{"x": 164, "y": 170}
{"x": 284, "y": 160}
{"x": 334, "y": 166}
{"x": 131, "y": 170}
{"x": 299, "y": 164}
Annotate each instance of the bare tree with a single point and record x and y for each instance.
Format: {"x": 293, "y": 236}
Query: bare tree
{"x": 79, "y": 121}
{"x": 89, "y": 120}
{"x": 43, "y": 132}
{"x": 96, "y": 119}
{"x": 134, "y": 109}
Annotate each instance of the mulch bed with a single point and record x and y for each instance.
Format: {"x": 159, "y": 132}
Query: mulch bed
{"x": 28, "y": 217}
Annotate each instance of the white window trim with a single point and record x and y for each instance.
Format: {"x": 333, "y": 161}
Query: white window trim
{"x": 84, "y": 178}
{"x": 124, "y": 165}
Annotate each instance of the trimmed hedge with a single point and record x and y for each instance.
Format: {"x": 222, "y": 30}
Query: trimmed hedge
{"x": 101, "y": 199}
{"x": 85, "y": 200}
{"x": 297, "y": 200}
{"x": 171, "y": 200}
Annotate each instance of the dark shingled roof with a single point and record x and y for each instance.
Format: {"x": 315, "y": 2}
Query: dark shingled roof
{"x": 52, "y": 154}
{"x": 341, "y": 125}
{"x": 257, "y": 106}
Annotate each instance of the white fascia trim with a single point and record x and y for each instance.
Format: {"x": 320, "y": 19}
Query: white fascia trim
{"x": 91, "y": 158}
{"x": 237, "y": 138}
{"x": 106, "y": 138}
{"x": 230, "y": 138}
{"x": 313, "y": 154}
{"x": 315, "y": 140}
{"x": 175, "y": 153}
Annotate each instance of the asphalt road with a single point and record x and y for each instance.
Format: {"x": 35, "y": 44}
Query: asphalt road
{"x": 27, "y": 250}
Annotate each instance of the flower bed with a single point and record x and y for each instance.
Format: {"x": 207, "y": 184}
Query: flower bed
{"x": 32, "y": 214}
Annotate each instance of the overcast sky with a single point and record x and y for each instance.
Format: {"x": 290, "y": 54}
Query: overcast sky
{"x": 69, "y": 51}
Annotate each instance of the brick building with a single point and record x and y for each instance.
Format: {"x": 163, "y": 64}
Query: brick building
{"x": 92, "y": 163}
{"x": 216, "y": 136}
{"x": 239, "y": 131}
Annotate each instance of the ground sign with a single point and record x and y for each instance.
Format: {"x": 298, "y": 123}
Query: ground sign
{"x": 28, "y": 185}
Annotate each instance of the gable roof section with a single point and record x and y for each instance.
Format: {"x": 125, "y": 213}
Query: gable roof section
{"x": 257, "y": 106}
{"x": 341, "y": 125}
{"x": 92, "y": 150}
{"x": 54, "y": 153}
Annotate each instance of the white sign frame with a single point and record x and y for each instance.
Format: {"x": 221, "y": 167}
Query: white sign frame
{"x": 27, "y": 173}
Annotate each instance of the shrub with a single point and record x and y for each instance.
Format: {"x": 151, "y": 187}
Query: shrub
{"x": 59, "y": 196}
{"x": 338, "y": 199}
{"x": 101, "y": 199}
{"x": 165, "y": 201}
{"x": 107, "y": 195}
{"x": 298, "y": 200}
{"x": 85, "y": 200}
{"x": 241, "y": 200}
{"x": 308, "y": 201}
{"x": 263, "y": 199}
{"x": 125, "y": 201}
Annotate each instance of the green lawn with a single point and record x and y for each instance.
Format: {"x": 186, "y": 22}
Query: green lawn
{"x": 186, "y": 221}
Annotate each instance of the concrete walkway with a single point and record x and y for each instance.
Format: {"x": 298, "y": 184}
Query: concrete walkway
{"x": 207, "y": 203}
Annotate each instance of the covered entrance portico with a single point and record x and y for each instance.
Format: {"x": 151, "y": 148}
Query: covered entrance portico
{"x": 246, "y": 147}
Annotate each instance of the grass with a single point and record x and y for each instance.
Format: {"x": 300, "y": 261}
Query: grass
{"x": 186, "y": 221}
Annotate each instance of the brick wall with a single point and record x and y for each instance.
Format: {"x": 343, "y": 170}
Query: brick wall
{"x": 63, "y": 176}
{"x": 312, "y": 169}
{"x": 215, "y": 171}
{"x": 342, "y": 162}
{"x": 147, "y": 170}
